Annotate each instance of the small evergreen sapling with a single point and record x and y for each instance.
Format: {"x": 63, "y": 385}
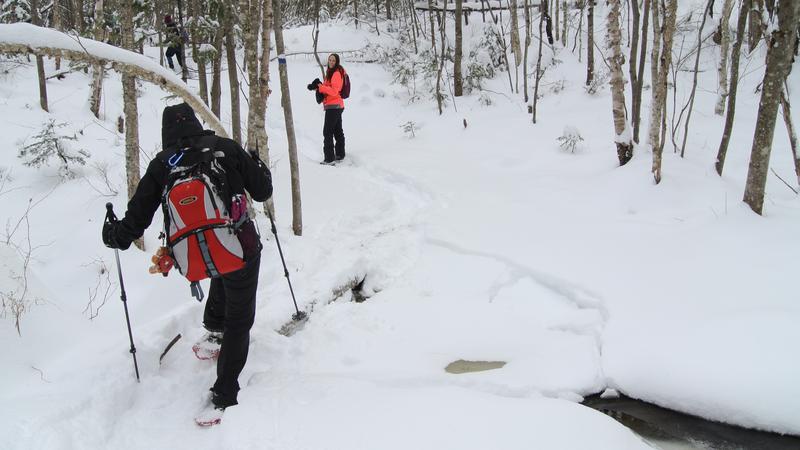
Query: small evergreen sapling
{"x": 49, "y": 143}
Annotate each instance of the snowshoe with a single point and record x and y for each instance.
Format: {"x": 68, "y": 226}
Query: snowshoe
{"x": 209, "y": 416}
{"x": 208, "y": 347}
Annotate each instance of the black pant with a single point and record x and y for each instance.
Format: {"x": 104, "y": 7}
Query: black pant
{"x": 231, "y": 308}
{"x": 175, "y": 51}
{"x": 333, "y": 128}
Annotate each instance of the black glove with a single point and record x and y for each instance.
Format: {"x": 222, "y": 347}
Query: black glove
{"x": 314, "y": 85}
{"x": 110, "y": 236}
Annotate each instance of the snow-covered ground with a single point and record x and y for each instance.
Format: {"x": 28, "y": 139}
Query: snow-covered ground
{"x": 482, "y": 243}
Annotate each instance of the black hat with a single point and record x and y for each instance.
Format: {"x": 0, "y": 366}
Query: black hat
{"x": 179, "y": 121}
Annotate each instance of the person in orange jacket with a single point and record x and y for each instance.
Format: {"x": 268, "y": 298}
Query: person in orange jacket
{"x": 333, "y": 104}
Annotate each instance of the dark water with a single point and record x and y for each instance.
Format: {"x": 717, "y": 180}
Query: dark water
{"x": 668, "y": 430}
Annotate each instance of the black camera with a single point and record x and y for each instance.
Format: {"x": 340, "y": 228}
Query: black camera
{"x": 314, "y": 84}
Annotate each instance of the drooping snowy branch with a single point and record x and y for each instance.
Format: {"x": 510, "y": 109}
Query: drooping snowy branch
{"x": 22, "y": 38}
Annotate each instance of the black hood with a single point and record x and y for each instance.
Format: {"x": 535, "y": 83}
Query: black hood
{"x": 179, "y": 121}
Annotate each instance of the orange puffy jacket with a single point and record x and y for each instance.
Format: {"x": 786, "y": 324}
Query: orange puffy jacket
{"x": 332, "y": 89}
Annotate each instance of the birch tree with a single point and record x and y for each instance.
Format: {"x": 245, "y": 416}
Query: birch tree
{"x": 621, "y": 130}
{"x": 515, "y": 44}
{"x": 98, "y": 71}
{"x": 779, "y": 60}
{"x": 660, "y": 84}
{"x": 724, "y": 49}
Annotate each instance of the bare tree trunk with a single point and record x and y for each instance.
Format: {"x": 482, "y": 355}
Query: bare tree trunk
{"x": 556, "y": 15}
{"x": 515, "y": 44}
{"x": 39, "y": 60}
{"x": 756, "y": 25}
{"x": 779, "y": 60}
{"x": 130, "y": 110}
{"x": 564, "y": 27}
{"x": 216, "y": 75}
{"x": 286, "y": 104}
{"x": 623, "y": 136}
{"x": 660, "y": 87}
{"x": 57, "y": 25}
{"x": 787, "y": 119}
{"x": 355, "y": 11}
{"x": 263, "y": 80}
{"x": 388, "y": 9}
{"x": 233, "y": 74}
{"x": 98, "y": 71}
{"x": 724, "y": 47}
{"x": 433, "y": 31}
{"x": 634, "y": 40}
{"x": 706, "y": 13}
{"x": 538, "y": 74}
{"x": 590, "y": 43}
{"x": 442, "y": 60}
{"x": 636, "y": 113}
{"x": 735, "y": 54}
{"x": 458, "y": 82}
{"x": 527, "y": 15}
{"x": 251, "y": 24}
{"x": 199, "y": 57}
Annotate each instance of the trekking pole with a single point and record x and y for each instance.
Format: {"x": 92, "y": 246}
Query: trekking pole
{"x": 111, "y": 218}
{"x": 299, "y": 315}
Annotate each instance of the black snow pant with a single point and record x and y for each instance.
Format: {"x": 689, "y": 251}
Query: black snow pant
{"x": 174, "y": 51}
{"x": 231, "y": 308}
{"x": 333, "y": 128}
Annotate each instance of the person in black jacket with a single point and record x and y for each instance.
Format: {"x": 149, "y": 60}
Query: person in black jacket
{"x": 230, "y": 309}
{"x": 174, "y": 42}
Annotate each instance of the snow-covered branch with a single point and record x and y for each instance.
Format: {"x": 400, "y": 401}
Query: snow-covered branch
{"x": 22, "y": 38}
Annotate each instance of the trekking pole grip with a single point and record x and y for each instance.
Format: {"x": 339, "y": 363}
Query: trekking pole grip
{"x": 110, "y": 212}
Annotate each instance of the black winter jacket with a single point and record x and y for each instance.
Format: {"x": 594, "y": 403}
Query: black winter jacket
{"x": 244, "y": 173}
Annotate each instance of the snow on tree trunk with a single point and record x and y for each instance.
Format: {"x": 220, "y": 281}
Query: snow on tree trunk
{"x": 433, "y": 30}
{"x": 724, "y": 48}
{"x": 623, "y": 134}
{"x": 756, "y": 25}
{"x": 779, "y": 59}
{"x": 590, "y": 43}
{"x": 538, "y": 73}
{"x": 564, "y": 26}
{"x": 458, "y": 83}
{"x": 660, "y": 86}
{"x": 233, "y": 74}
{"x": 286, "y": 104}
{"x": 735, "y": 54}
{"x": 251, "y": 24}
{"x": 131, "y": 112}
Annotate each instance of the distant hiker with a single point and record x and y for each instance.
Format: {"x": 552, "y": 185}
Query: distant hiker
{"x": 335, "y": 89}
{"x": 174, "y": 42}
{"x": 206, "y": 237}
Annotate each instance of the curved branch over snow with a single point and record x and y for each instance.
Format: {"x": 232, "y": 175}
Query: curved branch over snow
{"x": 22, "y": 38}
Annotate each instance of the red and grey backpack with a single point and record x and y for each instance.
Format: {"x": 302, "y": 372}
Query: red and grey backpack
{"x": 200, "y": 216}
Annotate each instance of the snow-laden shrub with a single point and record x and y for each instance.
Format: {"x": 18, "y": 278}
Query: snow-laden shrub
{"x": 570, "y": 138}
{"x": 483, "y": 61}
{"x": 599, "y": 82}
{"x": 410, "y": 128}
{"x": 49, "y": 143}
